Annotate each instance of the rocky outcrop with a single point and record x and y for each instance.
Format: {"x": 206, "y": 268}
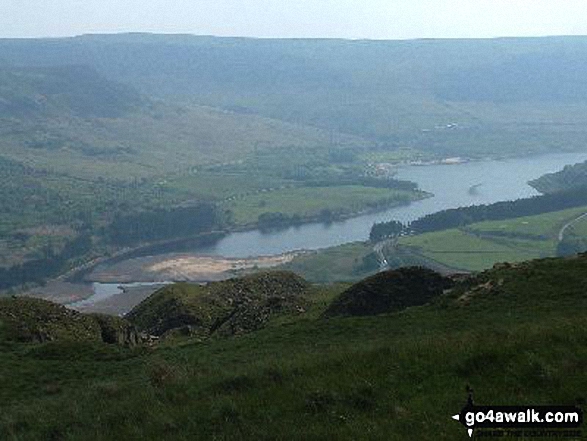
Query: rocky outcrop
{"x": 31, "y": 320}
{"x": 389, "y": 291}
{"x": 231, "y": 307}
{"x": 116, "y": 330}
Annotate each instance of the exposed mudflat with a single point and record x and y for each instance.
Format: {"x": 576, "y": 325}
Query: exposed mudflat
{"x": 61, "y": 292}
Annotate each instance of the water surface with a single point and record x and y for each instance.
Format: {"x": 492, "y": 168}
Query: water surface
{"x": 103, "y": 291}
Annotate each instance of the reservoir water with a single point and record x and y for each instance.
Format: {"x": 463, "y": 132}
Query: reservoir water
{"x": 103, "y": 291}
{"x": 455, "y": 185}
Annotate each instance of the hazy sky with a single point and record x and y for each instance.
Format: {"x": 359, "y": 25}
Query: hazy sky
{"x": 375, "y": 19}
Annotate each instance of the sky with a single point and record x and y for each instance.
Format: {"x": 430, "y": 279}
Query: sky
{"x": 355, "y": 19}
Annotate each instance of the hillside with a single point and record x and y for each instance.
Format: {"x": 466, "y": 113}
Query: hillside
{"x": 62, "y": 91}
{"x": 506, "y": 96}
{"x": 85, "y": 151}
{"x": 231, "y": 307}
{"x": 515, "y": 334}
{"x": 571, "y": 177}
{"x": 389, "y": 291}
{"x": 73, "y": 120}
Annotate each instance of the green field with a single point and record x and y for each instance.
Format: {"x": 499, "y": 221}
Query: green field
{"x": 479, "y": 246}
{"x": 542, "y": 227}
{"x": 218, "y": 186}
{"x": 346, "y": 262}
{"x": 310, "y": 202}
{"x": 462, "y": 251}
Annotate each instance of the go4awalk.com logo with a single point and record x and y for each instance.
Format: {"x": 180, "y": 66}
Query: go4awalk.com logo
{"x": 521, "y": 421}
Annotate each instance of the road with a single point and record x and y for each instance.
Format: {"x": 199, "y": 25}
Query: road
{"x": 378, "y": 249}
{"x": 561, "y": 233}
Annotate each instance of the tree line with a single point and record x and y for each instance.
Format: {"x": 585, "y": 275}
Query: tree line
{"x": 163, "y": 224}
{"x": 460, "y": 217}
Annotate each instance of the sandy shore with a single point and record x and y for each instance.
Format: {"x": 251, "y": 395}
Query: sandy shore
{"x": 182, "y": 267}
{"x": 196, "y": 267}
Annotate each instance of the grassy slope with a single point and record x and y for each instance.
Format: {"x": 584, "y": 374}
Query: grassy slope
{"x": 149, "y": 142}
{"x": 230, "y": 307}
{"x": 383, "y": 377}
{"x": 210, "y": 185}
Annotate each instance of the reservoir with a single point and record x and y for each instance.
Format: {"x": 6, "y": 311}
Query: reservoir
{"x": 454, "y": 185}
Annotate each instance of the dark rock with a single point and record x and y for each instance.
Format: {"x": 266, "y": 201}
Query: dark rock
{"x": 116, "y": 330}
{"x": 389, "y": 291}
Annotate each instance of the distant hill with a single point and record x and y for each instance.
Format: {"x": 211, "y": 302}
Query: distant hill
{"x": 76, "y": 121}
{"x": 507, "y": 96}
{"x": 62, "y": 91}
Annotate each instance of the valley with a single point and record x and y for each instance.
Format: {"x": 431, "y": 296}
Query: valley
{"x": 121, "y": 142}
{"x": 472, "y": 248}
{"x": 225, "y": 238}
